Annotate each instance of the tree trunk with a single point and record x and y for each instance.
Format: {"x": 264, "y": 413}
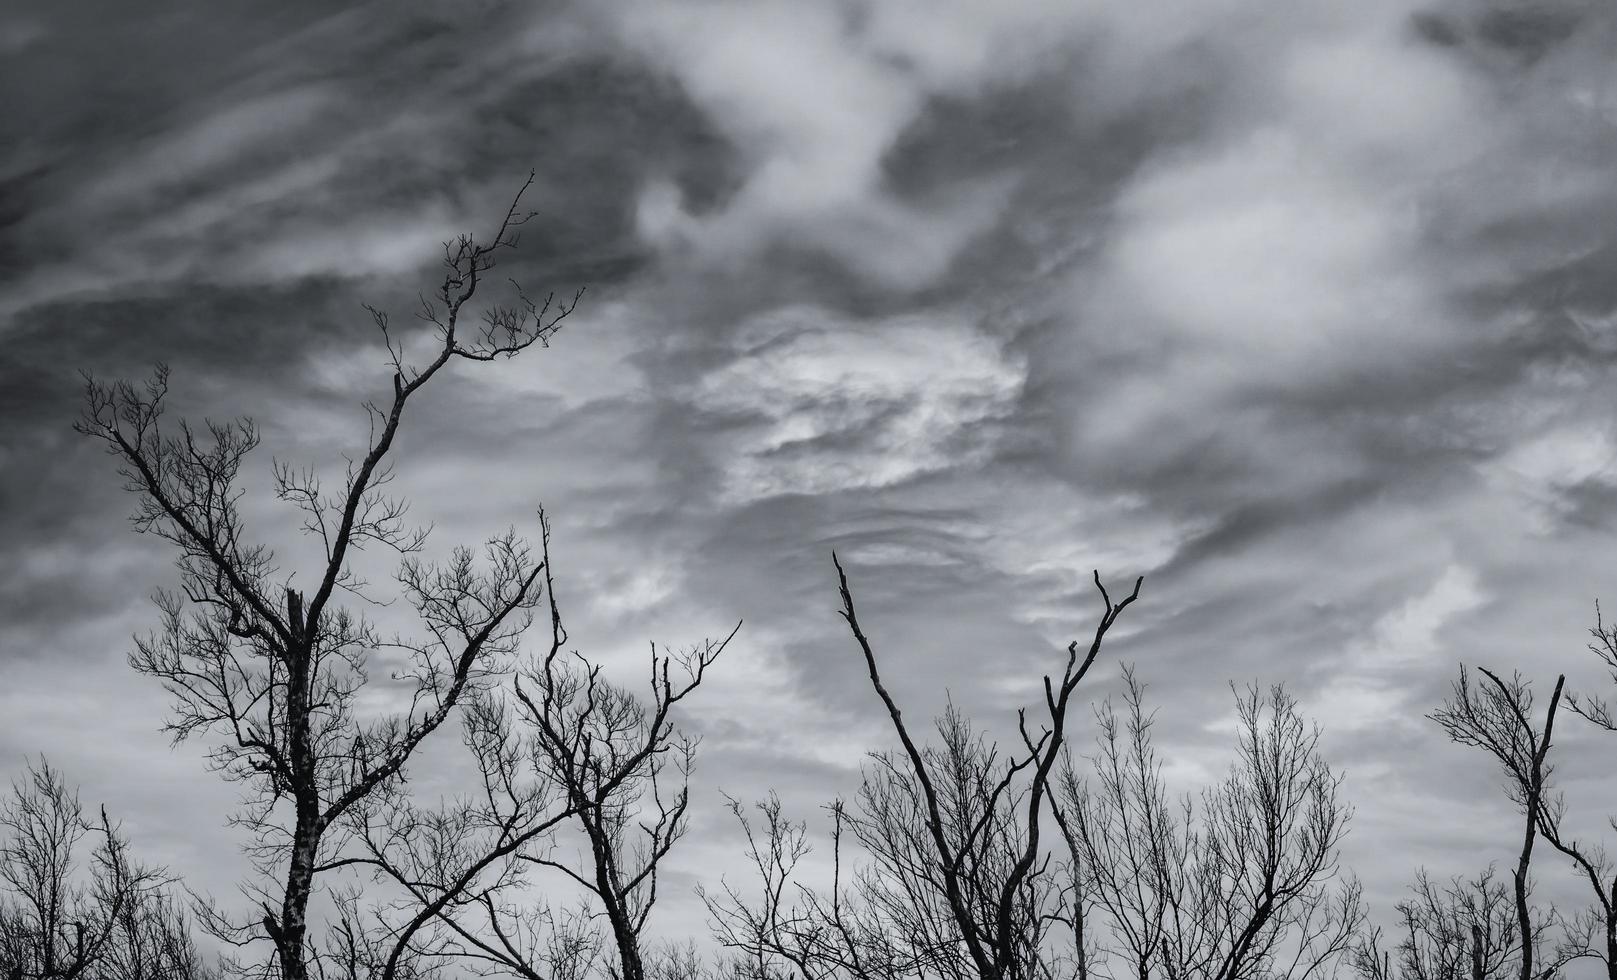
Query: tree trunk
{"x": 1611, "y": 945}
{"x": 294, "y": 925}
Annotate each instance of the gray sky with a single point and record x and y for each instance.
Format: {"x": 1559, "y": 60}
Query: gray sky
{"x": 1305, "y": 311}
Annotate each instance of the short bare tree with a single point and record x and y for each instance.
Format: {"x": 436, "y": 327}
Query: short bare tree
{"x": 883, "y": 916}
{"x": 272, "y": 674}
{"x": 583, "y": 783}
{"x": 1127, "y": 843}
{"x": 624, "y": 770}
{"x": 1246, "y": 885}
{"x": 955, "y": 880}
{"x": 74, "y": 905}
{"x": 1463, "y": 929}
{"x": 153, "y": 940}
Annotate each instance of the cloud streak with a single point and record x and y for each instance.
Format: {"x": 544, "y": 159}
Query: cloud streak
{"x": 1305, "y": 313}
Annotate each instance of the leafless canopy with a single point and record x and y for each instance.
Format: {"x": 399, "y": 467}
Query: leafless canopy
{"x": 271, "y": 674}
{"x": 1497, "y": 716}
{"x": 1245, "y": 885}
{"x": 957, "y": 882}
{"x": 63, "y": 917}
{"x": 1593, "y": 932}
{"x": 1463, "y": 929}
{"x": 568, "y": 758}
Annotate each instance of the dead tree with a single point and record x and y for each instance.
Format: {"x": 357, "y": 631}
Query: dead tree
{"x": 773, "y": 934}
{"x": 153, "y": 940}
{"x": 1127, "y": 841}
{"x": 1496, "y": 716}
{"x": 569, "y": 758}
{"x": 1245, "y": 885}
{"x": 981, "y": 809}
{"x": 955, "y": 880}
{"x": 72, "y": 910}
{"x": 623, "y": 767}
{"x": 985, "y": 899}
{"x": 1595, "y": 931}
{"x": 271, "y": 674}
{"x": 445, "y": 872}
{"x": 883, "y": 916}
{"x": 1465, "y": 929}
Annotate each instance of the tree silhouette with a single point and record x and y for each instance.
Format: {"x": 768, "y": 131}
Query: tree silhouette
{"x": 70, "y": 915}
{"x": 1239, "y": 887}
{"x": 1496, "y": 716}
{"x": 567, "y": 751}
{"x": 958, "y": 882}
{"x": 1466, "y": 929}
{"x": 272, "y": 675}
{"x": 1594, "y": 932}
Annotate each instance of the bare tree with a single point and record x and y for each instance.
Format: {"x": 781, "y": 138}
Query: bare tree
{"x": 956, "y": 881}
{"x": 886, "y": 917}
{"x": 1496, "y": 716}
{"x": 273, "y": 674}
{"x": 65, "y": 918}
{"x": 1247, "y": 884}
{"x": 570, "y": 758}
{"x": 152, "y": 940}
{"x": 981, "y": 808}
{"x": 624, "y": 769}
{"x": 1594, "y": 931}
{"x": 985, "y": 900}
{"x": 1128, "y": 843}
{"x": 772, "y": 928}
{"x": 451, "y": 867}
{"x": 1464, "y": 929}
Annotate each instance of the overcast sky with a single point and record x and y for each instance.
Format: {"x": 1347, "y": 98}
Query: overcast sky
{"x": 1305, "y": 311}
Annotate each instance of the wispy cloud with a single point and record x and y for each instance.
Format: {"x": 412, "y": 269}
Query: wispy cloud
{"x": 1304, "y": 312}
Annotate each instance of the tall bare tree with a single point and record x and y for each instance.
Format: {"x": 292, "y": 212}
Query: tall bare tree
{"x": 1594, "y": 932}
{"x": 272, "y": 674}
{"x": 73, "y": 910}
{"x": 1497, "y": 716}
{"x": 1246, "y": 885}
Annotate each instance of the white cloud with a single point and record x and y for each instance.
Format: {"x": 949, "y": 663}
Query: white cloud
{"x": 357, "y": 248}
{"x": 239, "y": 129}
{"x": 1538, "y": 471}
{"x": 814, "y": 96}
{"x": 1370, "y": 686}
{"x": 1263, "y": 258}
{"x": 1560, "y": 458}
{"x": 822, "y": 404}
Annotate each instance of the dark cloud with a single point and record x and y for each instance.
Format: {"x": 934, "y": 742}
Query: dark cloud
{"x": 1306, "y": 314}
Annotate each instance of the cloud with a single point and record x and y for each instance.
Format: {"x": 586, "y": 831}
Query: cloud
{"x": 242, "y": 128}
{"x": 815, "y": 404}
{"x": 815, "y": 98}
{"x": 1286, "y": 252}
{"x": 1544, "y": 471}
{"x": 1305, "y": 313}
{"x": 1371, "y": 684}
